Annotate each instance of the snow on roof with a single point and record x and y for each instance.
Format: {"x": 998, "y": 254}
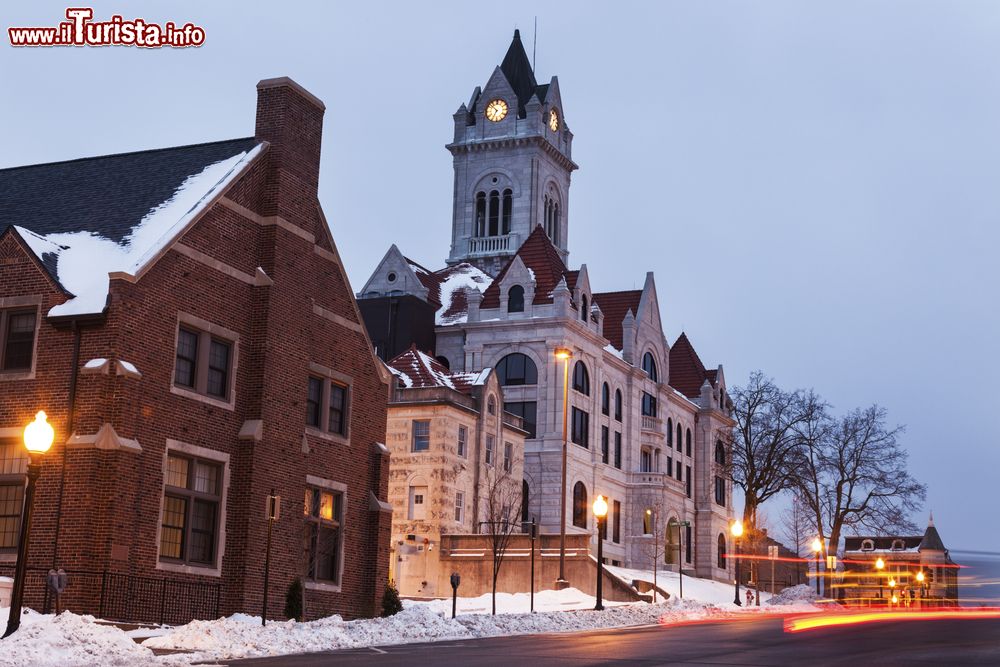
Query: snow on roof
{"x": 455, "y": 285}
{"x": 404, "y": 378}
{"x": 83, "y": 259}
{"x": 614, "y": 350}
{"x": 95, "y": 363}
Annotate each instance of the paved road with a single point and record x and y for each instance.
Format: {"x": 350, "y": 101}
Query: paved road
{"x": 745, "y": 643}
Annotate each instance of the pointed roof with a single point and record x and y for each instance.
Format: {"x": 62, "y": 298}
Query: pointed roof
{"x": 542, "y": 258}
{"x": 429, "y": 279}
{"x": 417, "y": 370}
{"x": 687, "y": 373}
{"x": 615, "y": 305}
{"x": 517, "y": 68}
{"x": 932, "y": 540}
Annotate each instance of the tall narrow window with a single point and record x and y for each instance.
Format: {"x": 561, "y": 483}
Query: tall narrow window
{"x": 581, "y": 378}
{"x": 721, "y": 561}
{"x": 421, "y": 435}
{"x": 323, "y": 514}
{"x": 555, "y": 224}
{"x": 687, "y": 543}
{"x": 670, "y": 433}
{"x": 463, "y": 440}
{"x": 13, "y": 466}
{"x": 618, "y": 404}
{"x": 618, "y": 450}
{"x": 605, "y": 438}
{"x": 580, "y": 508}
{"x": 338, "y": 409}
{"x": 508, "y": 457}
{"x": 480, "y": 214}
{"x": 649, "y": 366}
{"x": 720, "y": 453}
{"x": 679, "y": 436}
{"x": 605, "y": 399}
{"x": 459, "y": 506}
{"x": 494, "y": 219}
{"x": 720, "y": 492}
{"x": 490, "y": 449}
{"x": 515, "y": 299}
{"x": 187, "y": 356}
{"x": 687, "y": 442}
{"x": 581, "y": 427}
{"x": 507, "y": 206}
{"x": 18, "y": 334}
{"x": 525, "y": 500}
{"x": 648, "y": 405}
{"x": 218, "y": 368}
{"x": 188, "y": 531}
{"x": 616, "y": 521}
{"x": 584, "y": 309}
{"x": 687, "y": 480}
{"x": 548, "y": 217}
{"x": 314, "y": 398}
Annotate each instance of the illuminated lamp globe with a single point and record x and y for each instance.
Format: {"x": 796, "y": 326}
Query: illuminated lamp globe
{"x": 892, "y": 583}
{"x": 563, "y": 353}
{"x": 879, "y": 564}
{"x": 895, "y": 600}
{"x": 817, "y": 545}
{"x": 600, "y": 507}
{"x": 920, "y": 577}
{"x": 38, "y": 435}
{"x": 736, "y": 529}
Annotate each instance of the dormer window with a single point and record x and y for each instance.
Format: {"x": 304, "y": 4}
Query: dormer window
{"x": 584, "y": 308}
{"x": 898, "y": 545}
{"x": 867, "y": 545}
{"x": 649, "y": 366}
{"x": 515, "y": 299}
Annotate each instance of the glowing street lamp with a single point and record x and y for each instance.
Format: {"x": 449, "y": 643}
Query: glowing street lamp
{"x": 563, "y": 354}
{"x": 817, "y": 547}
{"x": 879, "y": 566}
{"x": 38, "y": 437}
{"x": 923, "y": 587}
{"x": 736, "y": 530}
{"x": 601, "y": 512}
{"x": 892, "y": 590}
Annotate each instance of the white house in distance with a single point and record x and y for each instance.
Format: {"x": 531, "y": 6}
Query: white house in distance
{"x": 649, "y": 426}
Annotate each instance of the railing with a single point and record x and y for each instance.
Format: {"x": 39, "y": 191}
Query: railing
{"x": 128, "y": 598}
{"x": 492, "y": 245}
{"x": 652, "y": 424}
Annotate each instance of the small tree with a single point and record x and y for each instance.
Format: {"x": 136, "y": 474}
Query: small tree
{"x": 654, "y": 549}
{"x": 391, "y": 604}
{"x": 293, "y": 600}
{"x": 501, "y": 514}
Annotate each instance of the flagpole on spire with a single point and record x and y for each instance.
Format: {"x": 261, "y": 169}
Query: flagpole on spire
{"x": 534, "y": 44}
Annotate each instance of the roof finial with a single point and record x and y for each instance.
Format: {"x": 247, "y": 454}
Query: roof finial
{"x": 517, "y": 34}
{"x": 930, "y": 521}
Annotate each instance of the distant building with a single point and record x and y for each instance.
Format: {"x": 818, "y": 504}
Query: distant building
{"x": 649, "y": 423}
{"x": 903, "y": 557}
{"x": 449, "y": 439}
{"x": 184, "y": 318}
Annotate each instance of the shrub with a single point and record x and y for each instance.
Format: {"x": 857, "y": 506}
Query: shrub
{"x": 293, "y": 600}
{"x": 391, "y": 604}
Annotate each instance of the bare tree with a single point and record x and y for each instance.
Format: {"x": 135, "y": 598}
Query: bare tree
{"x": 851, "y": 473}
{"x": 502, "y": 513}
{"x": 763, "y": 441}
{"x": 654, "y": 549}
{"x": 796, "y": 525}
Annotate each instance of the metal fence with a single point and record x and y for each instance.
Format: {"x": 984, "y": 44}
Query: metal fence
{"x": 123, "y": 597}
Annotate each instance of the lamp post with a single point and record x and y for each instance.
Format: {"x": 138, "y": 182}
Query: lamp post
{"x": 563, "y": 354}
{"x": 38, "y": 437}
{"x": 921, "y": 589}
{"x": 879, "y": 566}
{"x": 737, "y": 530}
{"x": 817, "y": 547}
{"x": 600, "y": 511}
{"x": 652, "y": 527}
{"x": 892, "y": 590}
{"x": 680, "y": 561}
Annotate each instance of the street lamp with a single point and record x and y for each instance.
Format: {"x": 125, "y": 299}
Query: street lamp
{"x": 817, "y": 547}
{"x": 892, "y": 590}
{"x": 879, "y": 566}
{"x": 737, "y": 530}
{"x": 922, "y": 589}
{"x": 651, "y": 518}
{"x": 563, "y": 354}
{"x": 600, "y": 511}
{"x": 38, "y": 437}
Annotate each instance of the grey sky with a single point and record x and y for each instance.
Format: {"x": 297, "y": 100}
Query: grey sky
{"x": 814, "y": 184}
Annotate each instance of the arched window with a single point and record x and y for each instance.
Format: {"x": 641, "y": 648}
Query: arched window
{"x": 505, "y": 218}
{"x": 670, "y": 542}
{"x": 581, "y": 379}
{"x": 516, "y": 369}
{"x": 515, "y": 299}
{"x": 647, "y": 523}
{"x": 580, "y": 505}
{"x": 670, "y": 433}
{"x": 720, "y": 453}
{"x": 443, "y": 360}
{"x": 867, "y": 545}
{"x": 605, "y": 399}
{"x": 480, "y": 214}
{"x": 555, "y": 224}
{"x": 649, "y": 365}
{"x": 687, "y": 442}
{"x": 618, "y": 404}
{"x": 584, "y": 309}
{"x": 491, "y": 405}
{"x": 494, "y": 217}
{"x": 525, "y": 492}
{"x": 680, "y": 435}
{"x": 721, "y": 563}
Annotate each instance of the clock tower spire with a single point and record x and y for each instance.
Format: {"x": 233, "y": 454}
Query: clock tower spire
{"x": 512, "y": 155}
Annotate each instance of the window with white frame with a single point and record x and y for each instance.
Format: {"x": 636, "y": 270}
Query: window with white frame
{"x": 463, "y": 441}
{"x": 459, "y": 506}
{"x": 490, "y": 447}
{"x": 421, "y": 435}
{"x": 323, "y": 515}
{"x": 192, "y": 496}
{"x": 508, "y": 457}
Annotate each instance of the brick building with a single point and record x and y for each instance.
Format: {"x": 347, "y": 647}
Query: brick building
{"x": 184, "y": 318}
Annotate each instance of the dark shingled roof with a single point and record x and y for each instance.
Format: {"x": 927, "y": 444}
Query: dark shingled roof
{"x": 883, "y": 543}
{"x": 107, "y": 195}
{"x": 517, "y": 68}
{"x": 417, "y": 370}
{"x": 539, "y": 255}
{"x": 687, "y": 373}
{"x": 429, "y": 279}
{"x": 932, "y": 540}
{"x": 615, "y": 305}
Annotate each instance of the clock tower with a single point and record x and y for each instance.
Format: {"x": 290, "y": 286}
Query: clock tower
{"x": 512, "y": 156}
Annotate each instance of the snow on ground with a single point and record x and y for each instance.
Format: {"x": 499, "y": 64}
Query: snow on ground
{"x": 567, "y": 599}
{"x": 704, "y": 590}
{"x": 794, "y": 595}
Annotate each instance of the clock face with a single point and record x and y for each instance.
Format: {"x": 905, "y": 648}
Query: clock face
{"x": 496, "y": 110}
{"x": 554, "y": 120}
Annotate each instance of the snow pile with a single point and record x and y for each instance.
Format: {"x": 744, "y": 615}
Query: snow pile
{"x": 84, "y": 259}
{"x": 518, "y": 603}
{"x": 68, "y": 640}
{"x": 794, "y": 595}
{"x": 703, "y": 590}
{"x": 462, "y": 277}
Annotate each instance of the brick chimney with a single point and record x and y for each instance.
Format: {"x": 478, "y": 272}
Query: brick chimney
{"x": 290, "y": 118}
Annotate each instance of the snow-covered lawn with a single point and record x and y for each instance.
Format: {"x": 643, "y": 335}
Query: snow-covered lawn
{"x": 704, "y": 590}
{"x": 70, "y": 640}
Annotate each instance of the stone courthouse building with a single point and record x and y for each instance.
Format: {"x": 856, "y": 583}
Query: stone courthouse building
{"x": 184, "y": 318}
{"x": 649, "y": 423}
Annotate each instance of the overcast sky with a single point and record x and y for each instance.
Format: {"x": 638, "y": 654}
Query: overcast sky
{"x": 814, "y": 184}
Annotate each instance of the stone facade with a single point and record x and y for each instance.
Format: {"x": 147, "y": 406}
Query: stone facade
{"x": 257, "y": 269}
